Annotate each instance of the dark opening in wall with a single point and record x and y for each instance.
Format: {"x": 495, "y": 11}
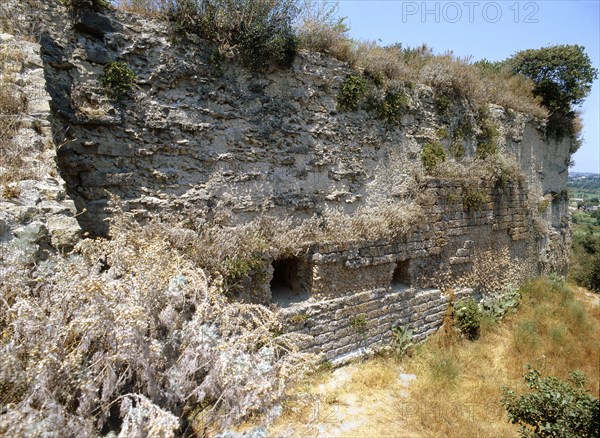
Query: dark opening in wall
{"x": 401, "y": 277}
{"x": 286, "y": 287}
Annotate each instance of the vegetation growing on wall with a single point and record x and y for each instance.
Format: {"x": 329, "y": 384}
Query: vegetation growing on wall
{"x": 95, "y": 5}
{"x": 258, "y": 33}
{"x": 432, "y": 155}
{"x": 118, "y": 79}
{"x": 351, "y": 92}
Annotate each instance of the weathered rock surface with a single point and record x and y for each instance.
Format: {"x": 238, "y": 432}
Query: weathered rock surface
{"x": 200, "y": 142}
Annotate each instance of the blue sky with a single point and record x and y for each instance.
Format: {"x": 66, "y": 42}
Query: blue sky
{"x": 489, "y": 29}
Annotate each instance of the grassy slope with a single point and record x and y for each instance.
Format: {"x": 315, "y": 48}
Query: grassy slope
{"x": 457, "y": 391}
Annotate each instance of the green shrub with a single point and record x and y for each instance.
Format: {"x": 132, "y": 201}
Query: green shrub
{"x": 563, "y": 75}
{"x": 474, "y": 199}
{"x": 553, "y": 408}
{"x": 432, "y": 155}
{"x": 442, "y": 103}
{"x": 352, "y": 91}
{"x": 498, "y": 305}
{"x": 468, "y": 317}
{"x": 239, "y": 270}
{"x": 118, "y": 79}
{"x": 258, "y": 32}
{"x": 393, "y": 106}
{"x": 485, "y": 150}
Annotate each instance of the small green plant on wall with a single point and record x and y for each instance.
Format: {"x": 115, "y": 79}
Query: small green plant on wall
{"x": 359, "y": 324}
{"x": 393, "y": 106}
{"x": 474, "y": 199}
{"x": 118, "y": 79}
{"x": 432, "y": 155}
{"x": 353, "y": 89}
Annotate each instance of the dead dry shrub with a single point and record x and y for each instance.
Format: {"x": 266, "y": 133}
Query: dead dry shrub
{"x": 146, "y": 8}
{"x": 127, "y": 335}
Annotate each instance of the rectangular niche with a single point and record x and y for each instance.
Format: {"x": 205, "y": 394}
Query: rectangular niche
{"x": 286, "y": 285}
{"x": 401, "y": 278}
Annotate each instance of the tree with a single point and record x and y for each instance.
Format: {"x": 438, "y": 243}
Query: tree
{"x": 563, "y": 75}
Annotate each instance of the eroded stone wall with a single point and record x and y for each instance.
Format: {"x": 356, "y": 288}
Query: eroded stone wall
{"x": 454, "y": 252}
{"x": 199, "y": 141}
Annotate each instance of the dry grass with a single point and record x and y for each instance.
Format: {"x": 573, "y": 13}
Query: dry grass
{"x": 20, "y": 154}
{"x": 12, "y": 106}
{"x": 146, "y": 8}
{"x": 449, "y": 75}
{"x": 131, "y": 322}
{"x": 457, "y": 391}
{"x": 319, "y": 29}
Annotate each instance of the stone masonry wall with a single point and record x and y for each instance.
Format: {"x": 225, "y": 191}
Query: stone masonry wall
{"x": 455, "y": 250}
{"x": 36, "y": 215}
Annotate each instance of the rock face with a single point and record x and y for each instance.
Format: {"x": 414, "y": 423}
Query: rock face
{"x": 36, "y": 215}
{"x": 205, "y": 141}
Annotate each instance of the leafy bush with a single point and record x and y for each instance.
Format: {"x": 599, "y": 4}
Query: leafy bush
{"x": 563, "y": 77}
{"x": 402, "y": 340}
{"x": 497, "y": 305}
{"x": 118, "y": 79}
{"x": 468, "y": 317}
{"x": 432, "y": 155}
{"x": 352, "y": 91}
{"x": 393, "y": 106}
{"x": 257, "y": 32}
{"x": 474, "y": 198}
{"x": 553, "y": 408}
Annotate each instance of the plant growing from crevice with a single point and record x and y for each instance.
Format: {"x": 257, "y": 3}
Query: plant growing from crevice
{"x": 351, "y": 92}
{"x": 393, "y": 105}
{"x": 432, "y": 155}
{"x": 118, "y": 79}
{"x": 488, "y": 137}
{"x": 442, "y": 103}
{"x": 258, "y": 33}
{"x": 457, "y": 149}
{"x": 474, "y": 199}
{"x": 359, "y": 324}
